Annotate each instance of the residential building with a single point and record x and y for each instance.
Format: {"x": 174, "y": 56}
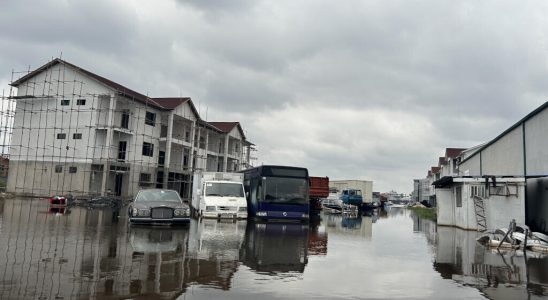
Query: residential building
{"x": 423, "y": 190}
{"x": 75, "y": 132}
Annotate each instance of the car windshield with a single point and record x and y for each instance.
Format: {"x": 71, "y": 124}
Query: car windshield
{"x": 285, "y": 190}
{"x": 224, "y": 189}
{"x": 158, "y": 195}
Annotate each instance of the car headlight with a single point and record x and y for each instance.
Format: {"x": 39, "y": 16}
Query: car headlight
{"x": 143, "y": 212}
{"x": 135, "y": 212}
{"x": 261, "y": 213}
{"x": 210, "y": 208}
{"x": 242, "y": 209}
{"x": 181, "y": 212}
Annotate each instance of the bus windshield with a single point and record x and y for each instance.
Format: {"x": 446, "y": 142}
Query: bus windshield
{"x": 224, "y": 189}
{"x": 285, "y": 190}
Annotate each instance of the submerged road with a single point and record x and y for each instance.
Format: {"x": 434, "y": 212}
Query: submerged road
{"x": 79, "y": 254}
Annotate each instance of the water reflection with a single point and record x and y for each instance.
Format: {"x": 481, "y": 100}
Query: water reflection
{"x": 81, "y": 254}
{"x": 350, "y": 224}
{"x": 275, "y": 247}
{"x": 317, "y": 239}
{"x": 213, "y": 252}
{"x": 499, "y": 275}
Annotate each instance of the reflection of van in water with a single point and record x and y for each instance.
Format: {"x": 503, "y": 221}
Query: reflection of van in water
{"x": 275, "y": 247}
{"x": 213, "y": 239}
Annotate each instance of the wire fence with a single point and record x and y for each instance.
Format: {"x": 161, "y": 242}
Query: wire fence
{"x": 63, "y": 133}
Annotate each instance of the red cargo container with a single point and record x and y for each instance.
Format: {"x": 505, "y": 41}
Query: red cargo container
{"x": 319, "y": 187}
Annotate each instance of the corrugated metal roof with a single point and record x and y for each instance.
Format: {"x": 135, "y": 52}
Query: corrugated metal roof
{"x": 523, "y": 120}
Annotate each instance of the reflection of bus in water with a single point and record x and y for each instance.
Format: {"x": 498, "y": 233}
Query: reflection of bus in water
{"x": 277, "y": 192}
{"x": 275, "y": 247}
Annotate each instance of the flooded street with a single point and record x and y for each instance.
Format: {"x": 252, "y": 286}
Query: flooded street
{"x": 79, "y": 253}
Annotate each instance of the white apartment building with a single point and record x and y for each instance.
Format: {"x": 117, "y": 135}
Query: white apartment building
{"x": 78, "y": 133}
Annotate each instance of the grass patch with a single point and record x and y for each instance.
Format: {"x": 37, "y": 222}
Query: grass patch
{"x": 425, "y": 212}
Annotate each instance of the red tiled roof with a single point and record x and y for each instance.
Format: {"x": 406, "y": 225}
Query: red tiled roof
{"x": 171, "y": 102}
{"x": 226, "y": 127}
{"x": 116, "y": 86}
{"x": 436, "y": 170}
{"x": 441, "y": 161}
{"x": 453, "y": 152}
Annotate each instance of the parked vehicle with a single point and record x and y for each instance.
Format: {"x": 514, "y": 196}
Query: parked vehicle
{"x": 157, "y": 206}
{"x": 277, "y": 192}
{"x": 219, "y": 195}
{"x": 352, "y": 197}
{"x": 319, "y": 189}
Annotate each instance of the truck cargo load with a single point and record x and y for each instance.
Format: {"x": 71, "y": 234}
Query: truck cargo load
{"x": 319, "y": 189}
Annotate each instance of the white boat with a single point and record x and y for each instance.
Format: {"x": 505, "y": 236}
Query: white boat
{"x": 333, "y": 202}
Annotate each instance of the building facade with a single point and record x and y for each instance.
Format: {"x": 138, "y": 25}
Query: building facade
{"x": 78, "y": 133}
{"x": 364, "y": 185}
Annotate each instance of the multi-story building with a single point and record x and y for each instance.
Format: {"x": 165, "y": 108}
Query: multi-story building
{"x": 78, "y": 133}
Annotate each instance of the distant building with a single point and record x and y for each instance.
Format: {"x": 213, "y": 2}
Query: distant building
{"x": 365, "y": 186}
{"x": 447, "y": 166}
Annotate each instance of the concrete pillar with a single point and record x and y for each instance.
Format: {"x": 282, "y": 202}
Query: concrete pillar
{"x": 248, "y": 156}
{"x": 206, "y": 148}
{"x": 191, "y": 154}
{"x": 167, "y": 159}
{"x": 225, "y": 159}
{"x": 108, "y": 144}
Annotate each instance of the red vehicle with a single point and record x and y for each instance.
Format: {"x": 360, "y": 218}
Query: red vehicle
{"x": 319, "y": 189}
{"x": 58, "y": 201}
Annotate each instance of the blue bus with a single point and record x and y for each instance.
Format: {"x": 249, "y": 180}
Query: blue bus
{"x": 277, "y": 192}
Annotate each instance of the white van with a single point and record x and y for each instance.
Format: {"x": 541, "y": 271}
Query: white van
{"x": 219, "y": 195}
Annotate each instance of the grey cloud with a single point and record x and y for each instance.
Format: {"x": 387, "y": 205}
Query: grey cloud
{"x": 460, "y": 72}
{"x": 219, "y": 5}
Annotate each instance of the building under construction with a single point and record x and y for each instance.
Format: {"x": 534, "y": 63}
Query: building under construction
{"x": 70, "y": 131}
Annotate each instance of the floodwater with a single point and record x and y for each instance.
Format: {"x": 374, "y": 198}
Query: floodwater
{"x": 81, "y": 254}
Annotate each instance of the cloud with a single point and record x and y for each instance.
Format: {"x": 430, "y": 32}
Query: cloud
{"x": 360, "y": 89}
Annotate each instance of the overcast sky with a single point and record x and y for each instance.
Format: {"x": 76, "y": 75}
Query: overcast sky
{"x": 349, "y": 89}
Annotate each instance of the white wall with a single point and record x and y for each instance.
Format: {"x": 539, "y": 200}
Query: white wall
{"x": 499, "y": 210}
{"x": 471, "y": 167}
{"x": 445, "y": 207}
{"x": 504, "y": 157}
{"x": 537, "y": 144}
